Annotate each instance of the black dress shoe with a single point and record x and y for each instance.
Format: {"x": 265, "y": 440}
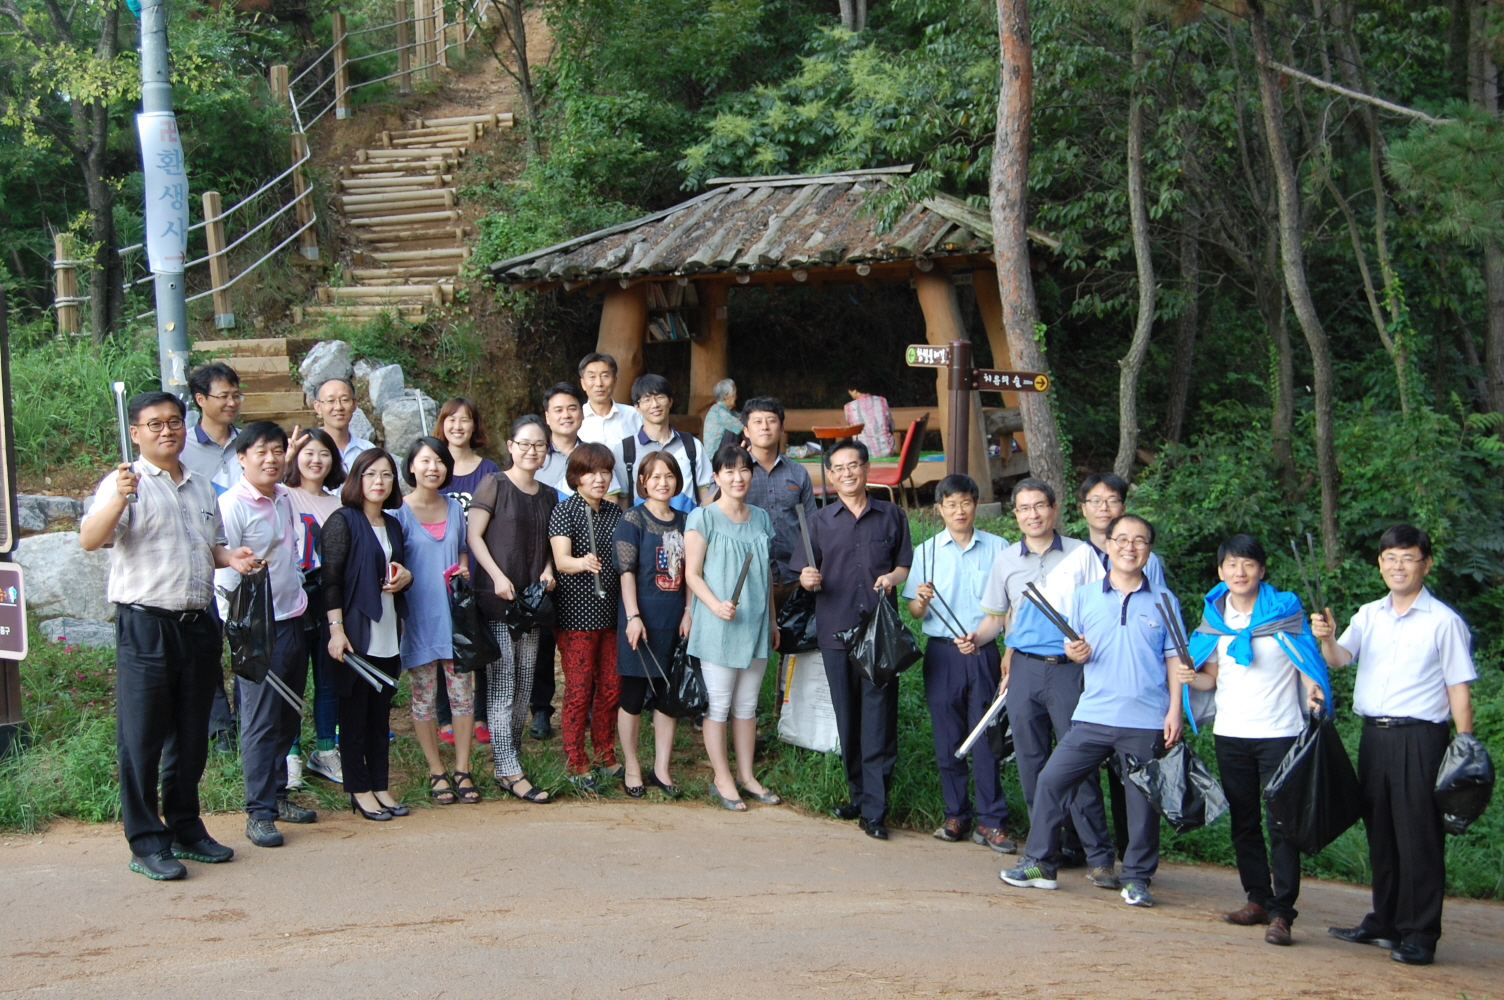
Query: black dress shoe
{"x": 848, "y": 811}
{"x": 873, "y": 828}
{"x": 1412, "y": 954}
{"x": 159, "y": 867}
{"x": 541, "y": 729}
{"x": 208, "y": 850}
{"x": 1357, "y": 935}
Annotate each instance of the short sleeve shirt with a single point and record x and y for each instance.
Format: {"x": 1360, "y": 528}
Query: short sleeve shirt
{"x": 516, "y": 536}
{"x": 580, "y": 608}
{"x": 851, "y": 553}
{"x": 1017, "y": 566}
{"x": 958, "y": 575}
{"x": 1406, "y": 662}
{"x": 779, "y": 491}
{"x": 607, "y": 430}
{"x": 1125, "y": 682}
{"x": 694, "y": 475}
{"x": 462, "y": 488}
{"x": 211, "y": 460}
{"x": 1261, "y": 700}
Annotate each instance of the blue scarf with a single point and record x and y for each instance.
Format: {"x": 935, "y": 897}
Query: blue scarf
{"x": 1276, "y": 613}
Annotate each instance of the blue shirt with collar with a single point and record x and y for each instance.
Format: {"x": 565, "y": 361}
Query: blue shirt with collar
{"x": 1125, "y": 682}
{"x": 1029, "y": 631}
{"x": 215, "y": 462}
{"x": 958, "y": 575}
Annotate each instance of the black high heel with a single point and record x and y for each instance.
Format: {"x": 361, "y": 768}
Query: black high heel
{"x": 651, "y": 779}
{"x": 379, "y": 816}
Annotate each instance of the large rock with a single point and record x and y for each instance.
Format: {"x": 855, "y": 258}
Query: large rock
{"x": 384, "y": 385}
{"x": 402, "y": 423}
{"x": 328, "y": 359}
{"x": 361, "y": 427}
{"x": 30, "y": 517}
{"x": 63, "y": 579}
{"x": 362, "y": 369}
{"x": 38, "y": 512}
{"x": 79, "y": 632}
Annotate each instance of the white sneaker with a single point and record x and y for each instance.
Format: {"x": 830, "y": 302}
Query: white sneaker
{"x": 294, "y": 771}
{"x": 326, "y": 764}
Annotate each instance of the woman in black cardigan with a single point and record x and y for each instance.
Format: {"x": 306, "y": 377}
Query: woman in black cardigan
{"x": 363, "y": 581}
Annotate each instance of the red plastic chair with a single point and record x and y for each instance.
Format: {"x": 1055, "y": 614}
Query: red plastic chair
{"x": 891, "y": 478}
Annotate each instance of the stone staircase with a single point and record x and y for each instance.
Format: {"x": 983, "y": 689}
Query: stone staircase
{"x": 398, "y": 204}
{"x": 265, "y": 367}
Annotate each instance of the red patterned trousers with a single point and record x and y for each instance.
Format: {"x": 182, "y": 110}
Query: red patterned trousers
{"x": 591, "y": 689}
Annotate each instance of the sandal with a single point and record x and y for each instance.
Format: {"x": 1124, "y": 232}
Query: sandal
{"x": 439, "y": 794}
{"x": 766, "y": 797}
{"x": 469, "y": 794}
{"x": 534, "y": 794}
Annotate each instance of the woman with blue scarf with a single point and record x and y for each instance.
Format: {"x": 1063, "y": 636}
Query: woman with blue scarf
{"x": 1255, "y": 650}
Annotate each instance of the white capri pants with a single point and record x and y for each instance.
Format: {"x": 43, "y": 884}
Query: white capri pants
{"x": 733, "y": 690}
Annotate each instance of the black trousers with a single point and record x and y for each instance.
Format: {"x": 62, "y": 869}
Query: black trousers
{"x": 959, "y": 688}
{"x": 268, "y": 724}
{"x": 165, "y": 675}
{"x": 867, "y": 722}
{"x": 542, "y": 698}
{"x": 1406, "y": 844}
{"x": 1245, "y": 766}
{"x": 364, "y": 725}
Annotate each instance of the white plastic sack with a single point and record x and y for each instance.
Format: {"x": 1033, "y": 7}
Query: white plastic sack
{"x": 807, "y": 718}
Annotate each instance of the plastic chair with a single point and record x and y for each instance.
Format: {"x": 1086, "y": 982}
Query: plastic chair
{"x": 831, "y": 434}
{"x": 908, "y": 460}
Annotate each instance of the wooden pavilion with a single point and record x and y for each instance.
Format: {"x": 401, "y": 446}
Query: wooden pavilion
{"x": 666, "y": 276}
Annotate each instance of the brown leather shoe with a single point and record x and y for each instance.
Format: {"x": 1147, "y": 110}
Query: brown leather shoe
{"x": 1250, "y": 914}
{"x": 1278, "y": 932}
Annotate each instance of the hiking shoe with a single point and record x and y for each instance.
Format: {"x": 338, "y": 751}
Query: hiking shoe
{"x": 995, "y": 838}
{"x": 208, "y": 850}
{"x": 294, "y": 771}
{"x": 951, "y": 831}
{"x": 1030, "y": 874}
{"x": 326, "y": 764}
{"x": 262, "y": 833}
{"x": 159, "y": 867}
{"x": 289, "y": 811}
{"x": 1103, "y": 877}
{"x": 1137, "y": 894}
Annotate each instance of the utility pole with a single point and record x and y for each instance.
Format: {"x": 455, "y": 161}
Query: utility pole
{"x": 166, "y": 198}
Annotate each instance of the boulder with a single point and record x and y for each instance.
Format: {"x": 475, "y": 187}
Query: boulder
{"x": 384, "y": 385}
{"x": 63, "y": 579}
{"x": 79, "y": 632}
{"x": 361, "y": 427}
{"x": 328, "y": 359}
{"x": 30, "y": 516}
{"x": 401, "y": 421}
{"x": 362, "y": 369}
{"x": 62, "y": 510}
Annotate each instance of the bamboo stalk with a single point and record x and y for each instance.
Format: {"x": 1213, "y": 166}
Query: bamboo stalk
{"x": 65, "y": 283}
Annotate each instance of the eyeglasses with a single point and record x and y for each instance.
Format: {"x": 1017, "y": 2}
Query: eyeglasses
{"x": 379, "y": 477}
{"x": 848, "y": 467}
{"x": 656, "y": 397}
{"x": 1097, "y": 503}
{"x": 1405, "y": 561}
{"x": 955, "y": 505}
{"x": 158, "y": 426}
{"x": 1033, "y": 508}
{"x": 1130, "y": 542}
{"x": 338, "y": 401}
{"x": 538, "y": 446}
{"x": 227, "y": 397}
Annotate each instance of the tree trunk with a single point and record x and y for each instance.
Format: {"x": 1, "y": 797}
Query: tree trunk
{"x": 1132, "y": 363}
{"x": 1190, "y": 321}
{"x": 848, "y": 14}
{"x": 92, "y": 125}
{"x": 1009, "y": 195}
{"x": 1292, "y": 259}
{"x": 861, "y": 14}
{"x": 514, "y": 26}
{"x": 1483, "y": 92}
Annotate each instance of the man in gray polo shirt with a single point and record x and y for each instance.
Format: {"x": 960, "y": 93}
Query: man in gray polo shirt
{"x": 209, "y": 450}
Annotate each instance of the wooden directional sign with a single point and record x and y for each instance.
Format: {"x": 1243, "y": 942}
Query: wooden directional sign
{"x": 989, "y": 380}
{"x": 927, "y": 356}
{"x": 12, "y": 613}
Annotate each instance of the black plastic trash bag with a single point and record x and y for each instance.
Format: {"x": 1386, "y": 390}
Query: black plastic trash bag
{"x": 1180, "y": 788}
{"x": 879, "y": 645}
{"x": 474, "y": 645}
{"x": 680, "y": 692}
{"x": 533, "y": 608}
{"x": 999, "y": 736}
{"x": 1314, "y": 795}
{"x": 251, "y": 626}
{"x": 1465, "y": 782}
{"x": 797, "y": 632}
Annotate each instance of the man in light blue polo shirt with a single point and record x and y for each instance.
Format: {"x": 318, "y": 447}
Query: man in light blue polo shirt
{"x": 1131, "y": 702}
{"x": 959, "y": 686}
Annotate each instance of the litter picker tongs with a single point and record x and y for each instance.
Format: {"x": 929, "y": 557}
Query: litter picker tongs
{"x": 981, "y": 727}
{"x": 1036, "y": 597}
{"x": 1314, "y": 593}
{"x": 1173, "y": 625}
{"x": 953, "y": 623}
{"x": 600, "y": 590}
{"x": 123, "y": 424}
{"x": 809, "y": 548}
{"x": 366, "y": 672}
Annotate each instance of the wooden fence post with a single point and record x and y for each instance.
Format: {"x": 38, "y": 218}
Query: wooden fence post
{"x": 219, "y": 267}
{"x": 404, "y": 52}
{"x": 65, "y": 283}
{"x": 459, "y": 38}
{"x": 276, "y": 79}
{"x": 308, "y": 240}
{"x": 422, "y": 28}
{"x": 440, "y": 34}
{"x": 341, "y": 70}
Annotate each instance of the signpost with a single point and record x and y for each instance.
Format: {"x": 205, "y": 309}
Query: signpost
{"x": 12, "y": 594}
{"x": 963, "y": 380}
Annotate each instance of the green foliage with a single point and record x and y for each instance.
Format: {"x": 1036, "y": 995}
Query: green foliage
{"x": 1456, "y": 170}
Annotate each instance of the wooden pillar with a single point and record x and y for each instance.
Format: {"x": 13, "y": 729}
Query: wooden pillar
{"x": 422, "y": 28}
{"x": 624, "y": 324}
{"x": 404, "y": 49}
{"x": 459, "y": 35}
{"x": 708, "y": 353}
{"x": 942, "y": 324}
{"x": 64, "y": 283}
{"x": 990, "y": 305}
{"x": 341, "y": 69}
{"x": 219, "y": 268}
{"x": 276, "y": 79}
{"x": 440, "y": 34}
{"x": 308, "y": 240}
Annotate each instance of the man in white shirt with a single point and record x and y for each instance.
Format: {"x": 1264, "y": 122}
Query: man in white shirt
{"x": 257, "y": 512}
{"x": 335, "y": 404}
{"x": 653, "y": 397}
{"x": 1415, "y": 666}
{"x": 605, "y": 420}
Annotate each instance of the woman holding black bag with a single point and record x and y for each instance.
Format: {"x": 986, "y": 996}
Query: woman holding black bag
{"x": 649, "y": 543}
{"x": 509, "y": 542}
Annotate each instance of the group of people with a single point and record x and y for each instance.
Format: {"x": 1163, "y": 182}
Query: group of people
{"x": 648, "y": 544}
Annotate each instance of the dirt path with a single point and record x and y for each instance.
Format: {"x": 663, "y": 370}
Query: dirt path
{"x": 656, "y": 900}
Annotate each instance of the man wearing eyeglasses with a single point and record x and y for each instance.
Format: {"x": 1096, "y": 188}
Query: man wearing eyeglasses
{"x": 1129, "y": 707}
{"x": 335, "y": 404}
{"x": 1415, "y": 668}
{"x": 210, "y": 448}
{"x": 654, "y": 398}
{"x": 166, "y": 546}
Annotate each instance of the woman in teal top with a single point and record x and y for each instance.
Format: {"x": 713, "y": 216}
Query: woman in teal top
{"x": 731, "y": 632}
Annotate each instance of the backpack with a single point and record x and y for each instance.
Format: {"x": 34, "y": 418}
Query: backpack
{"x": 629, "y": 459}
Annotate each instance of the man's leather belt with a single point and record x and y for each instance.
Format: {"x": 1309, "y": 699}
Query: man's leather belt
{"x": 1391, "y": 721}
{"x": 1053, "y": 660}
{"x": 191, "y": 615}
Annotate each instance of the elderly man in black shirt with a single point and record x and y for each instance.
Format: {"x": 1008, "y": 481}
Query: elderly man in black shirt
{"x": 862, "y": 553}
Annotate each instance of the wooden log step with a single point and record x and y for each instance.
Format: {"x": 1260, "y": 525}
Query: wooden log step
{"x": 385, "y": 238}
{"x": 271, "y": 402}
{"x": 275, "y": 365}
{"x": 415, "y": 155}
{"x": 403, "y": 219}
{"x": 267, "y": 383}
{"x": 392, "y": 208}
{"x": 492, "y": 119}
{"x": 257, "y": 347}
{"x": 387, "y": 293}
{"x": 288, "y": 419}
{"x": 396, "y": 182}
{"x": 437, "y": 130}
{"x": 443, "y": 196}
{"x": 390, "y": 168}
{"x": 396, "y": 273}
{"x": 431, "y": 142}
{"x": 462, "y": 253}
{"x": 407, "y": 312}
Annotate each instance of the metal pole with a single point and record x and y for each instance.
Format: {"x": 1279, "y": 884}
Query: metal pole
{"x": 172, "y": 312}
{"x": 959, "y": 385}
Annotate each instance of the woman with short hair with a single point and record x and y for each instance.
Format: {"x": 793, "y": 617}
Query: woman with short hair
{"x": 581, "y": 527}
{"x": 720, "y": 419}
{"x": 731, "y": 631}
